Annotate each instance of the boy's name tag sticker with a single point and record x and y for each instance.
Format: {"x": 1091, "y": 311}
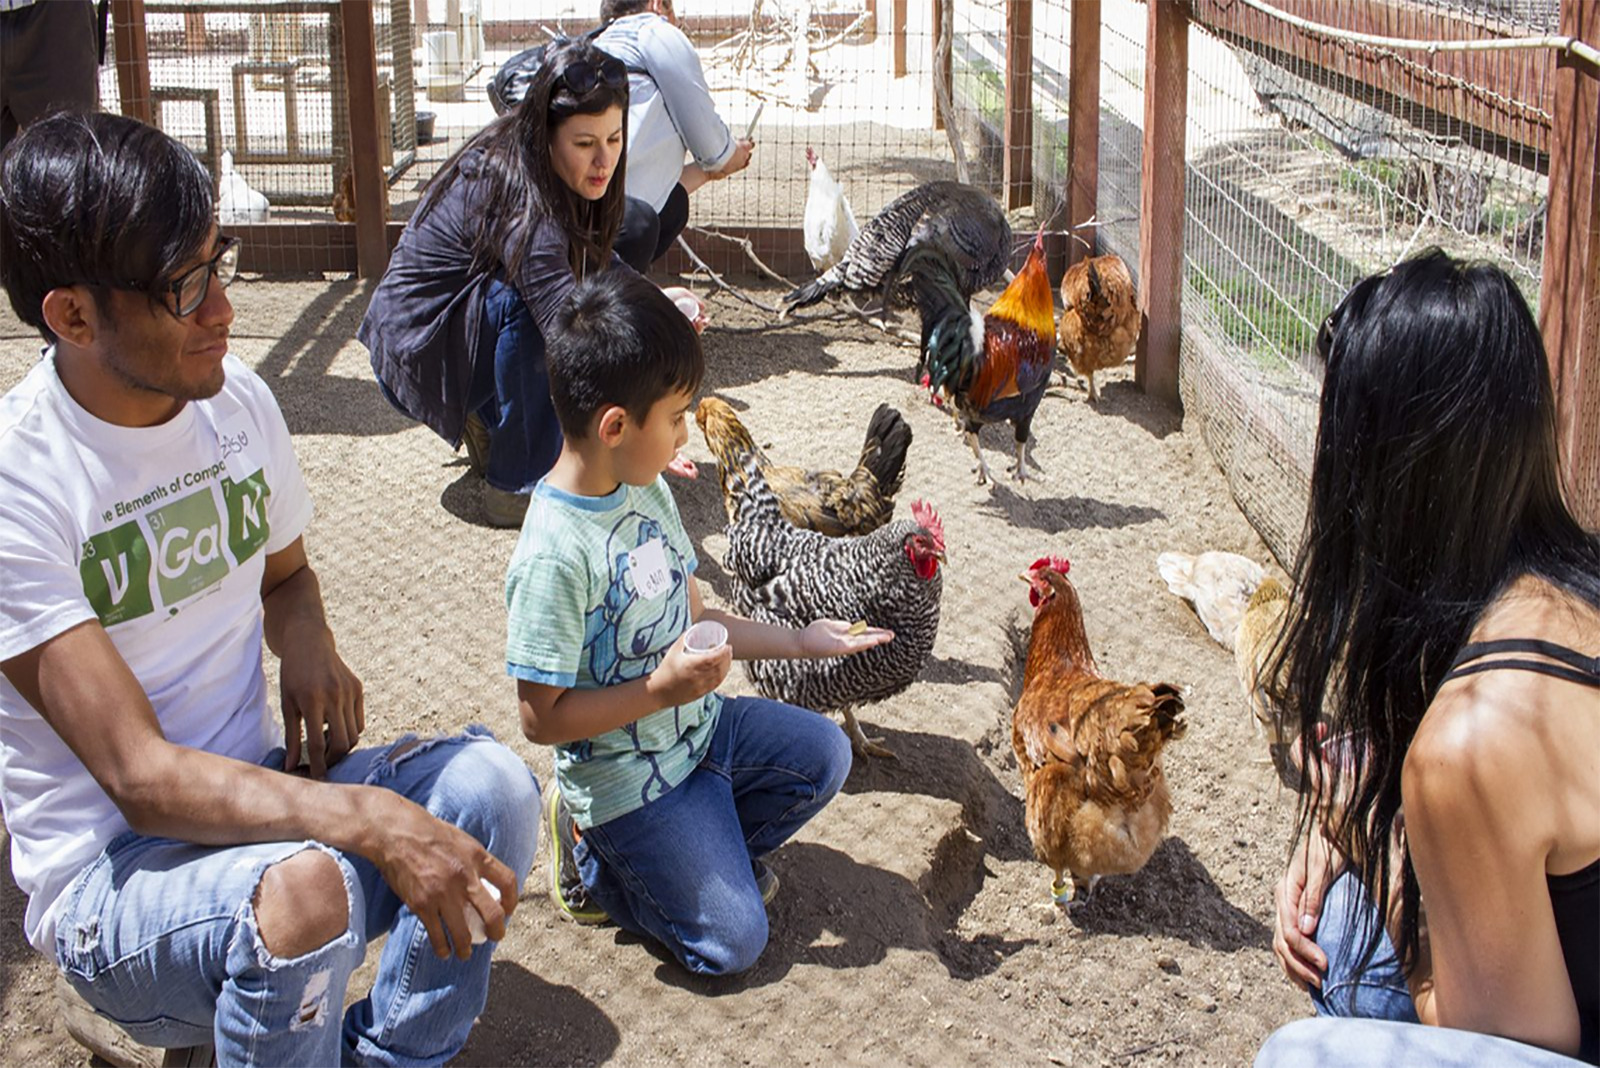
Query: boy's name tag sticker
{"x": 648, "y": 566}
{"x": 236, "y": 441}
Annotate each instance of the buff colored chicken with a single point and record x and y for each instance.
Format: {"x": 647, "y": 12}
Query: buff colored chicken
{"x": 1089, "y": 749}
{"x": 1218, "y": 584}
{"x": 1253, "y": 652}
{"x": 1100, "y": 317}
{"x": 828, "y": 502}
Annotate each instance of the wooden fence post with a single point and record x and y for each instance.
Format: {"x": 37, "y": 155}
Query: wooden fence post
{"x": 1083, "y": 123}
{"x": 1569, "y": 300}
{"x": 897, "y": 16}
{"x": 1166, "y": 82}
{"x": 1017, "y": 166}
{"x": 133, "y": 59}
{"x": 941, "y": 57}
{"x": 371, "y": 191}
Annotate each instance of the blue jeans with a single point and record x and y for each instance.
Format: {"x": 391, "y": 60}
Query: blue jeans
{"x": 1376, "y": 992}
{"x": 1325, "y": 1042}
{"x": 524, "y": 436}
{"x": 160, "y": 935}
{"x": 679, "y": 870}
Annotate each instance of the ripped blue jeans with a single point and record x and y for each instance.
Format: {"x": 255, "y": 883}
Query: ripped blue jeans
{"x": 160, "y": 936}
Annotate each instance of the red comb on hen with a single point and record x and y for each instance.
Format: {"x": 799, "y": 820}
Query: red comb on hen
{"x": 928, "y": 519}
{"x": 1059, "y": 564}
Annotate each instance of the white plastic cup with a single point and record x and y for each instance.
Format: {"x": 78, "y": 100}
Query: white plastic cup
{"x": 474, "y": 921}
{"x": 706, "y": 636}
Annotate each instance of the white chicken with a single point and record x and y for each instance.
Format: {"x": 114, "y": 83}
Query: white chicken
{"x": 236, "y": 201}
{"x": 829, "y": 225}
{"x": 1219, "y": 585}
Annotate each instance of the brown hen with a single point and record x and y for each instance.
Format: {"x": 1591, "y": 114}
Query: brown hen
{"x": 1089, "y": 748}
{"x": 828, "y": 502}
{"x": 1100, "y": 317}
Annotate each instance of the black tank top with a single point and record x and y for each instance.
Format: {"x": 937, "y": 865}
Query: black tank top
{"x": 1575, "y": 897}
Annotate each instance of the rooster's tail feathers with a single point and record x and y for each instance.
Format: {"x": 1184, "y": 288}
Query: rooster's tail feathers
{"x": 884, "y": 454}
{"x": 813, "y": 291}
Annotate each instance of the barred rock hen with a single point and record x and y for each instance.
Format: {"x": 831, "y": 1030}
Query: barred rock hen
{"x": 1100, "y": 317}
{"x": 790, "y": 577}
{"x": 1089, "y": 749}
{"x": 825, "y": 501}
{"x": 991, "y": 368}
{"x": 963, "y": 222}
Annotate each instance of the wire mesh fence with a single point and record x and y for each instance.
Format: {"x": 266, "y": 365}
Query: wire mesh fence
{"x": 1310, "y": 159}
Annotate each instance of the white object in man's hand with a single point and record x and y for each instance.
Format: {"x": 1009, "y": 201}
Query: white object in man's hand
{"x": 475, "y": 921}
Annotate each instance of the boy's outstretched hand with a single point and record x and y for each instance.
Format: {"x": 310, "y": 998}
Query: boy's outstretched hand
{"x": 683, "y": 676}
{"x": 835, "y": 637}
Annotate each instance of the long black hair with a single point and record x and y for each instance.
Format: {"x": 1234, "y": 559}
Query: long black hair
{"x": 1435, "y": 485}
{"x": 522, "y": 183}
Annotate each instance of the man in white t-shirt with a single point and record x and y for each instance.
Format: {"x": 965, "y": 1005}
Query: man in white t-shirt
{"x": 670, "y": 112}
{"x": 185, "y": 879}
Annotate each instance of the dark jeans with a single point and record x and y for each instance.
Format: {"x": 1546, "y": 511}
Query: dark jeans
{"x": 524, "y": 436}
{"x": 645, "y": 234}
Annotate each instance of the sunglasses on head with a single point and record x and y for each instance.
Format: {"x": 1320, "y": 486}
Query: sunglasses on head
{"x": 581, "y": 76}
{"x": 190, "y": 288}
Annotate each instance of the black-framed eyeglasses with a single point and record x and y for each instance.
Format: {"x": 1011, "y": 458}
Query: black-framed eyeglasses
{"x": 190, "y": 288}
{"x": 581, "y": 76}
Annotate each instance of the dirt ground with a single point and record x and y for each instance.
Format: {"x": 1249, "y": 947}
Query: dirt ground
{"x": 913, "y": 926}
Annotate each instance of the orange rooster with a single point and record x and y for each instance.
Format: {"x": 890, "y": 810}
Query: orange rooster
{"x": 1100, "y": 320}
{"x": 989, "y": 368}
{"x": 1089, "y": 749}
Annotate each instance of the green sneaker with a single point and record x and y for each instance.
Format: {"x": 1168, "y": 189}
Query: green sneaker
{"x": 566, "y": 886}
{"x": 766, "y": 881}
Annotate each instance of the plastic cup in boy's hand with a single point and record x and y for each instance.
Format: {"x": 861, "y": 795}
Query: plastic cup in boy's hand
{"x": 706, "y": 636}
{"x": 474, "y": 921}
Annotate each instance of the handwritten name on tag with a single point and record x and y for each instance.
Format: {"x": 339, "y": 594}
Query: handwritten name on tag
{"x": 236, "y": 441}
{"x": 648, "y": 566}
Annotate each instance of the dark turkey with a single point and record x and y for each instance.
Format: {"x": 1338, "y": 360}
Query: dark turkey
{"x": 963, "y": 221}
{"x": 790, "y": 577}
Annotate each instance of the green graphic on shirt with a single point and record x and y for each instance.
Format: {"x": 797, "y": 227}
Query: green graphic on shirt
{"x": 116, "y": 574}
{"x": 247, "y": 515}
{"x": 188, "y": 537}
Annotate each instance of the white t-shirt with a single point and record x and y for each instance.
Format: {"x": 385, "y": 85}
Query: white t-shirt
{"x": 162, "y": 533}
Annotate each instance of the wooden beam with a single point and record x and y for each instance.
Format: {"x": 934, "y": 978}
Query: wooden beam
{"x": 133, "y": 59}
{"x": 1500, "y": 92}
{"x": 1166, "y": 84}
{"x": 1569, "y": 300}
{"x": 897, "y": 15}
{"x": 1017, "y": 166}
{"x": 941, "y": 57}
{"x": 1083, "y": 123}
{"x": 371, "y": 191}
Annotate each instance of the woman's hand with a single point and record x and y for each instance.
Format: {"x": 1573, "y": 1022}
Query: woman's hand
{"x": 690, "y": 305}
{"x": 834, "y": 637}
{"x": 1312, "y": 869}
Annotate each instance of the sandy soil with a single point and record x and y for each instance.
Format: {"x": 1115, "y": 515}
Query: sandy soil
{"x": 914, "y": 926}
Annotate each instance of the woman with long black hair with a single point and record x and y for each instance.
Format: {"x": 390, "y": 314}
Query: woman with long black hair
{"x": 511, "y": 222}
{"x": 1441, "y": 661}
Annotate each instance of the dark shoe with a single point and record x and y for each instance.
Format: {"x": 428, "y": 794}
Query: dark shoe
{"x": 502, "y": 508}
{"x": 566, "y": 886}
{"x": 475, "y": 436}
{"x": 766, "y": 881}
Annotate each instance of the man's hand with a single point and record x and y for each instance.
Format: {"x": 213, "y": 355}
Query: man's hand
{"x": 322, "y": 700}
{"x": 1312, "y": 869}
{"x": 435, "y": 869}
{"x": 742, "y": 150}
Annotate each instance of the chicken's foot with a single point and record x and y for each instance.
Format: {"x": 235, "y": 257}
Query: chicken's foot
{"x": 859, "y": 741}
{"x": 983, "y": 468}
{"x": 1022, "y": 462}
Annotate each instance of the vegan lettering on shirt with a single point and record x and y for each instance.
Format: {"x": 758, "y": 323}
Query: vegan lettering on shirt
{"x": 188, "y": 545}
